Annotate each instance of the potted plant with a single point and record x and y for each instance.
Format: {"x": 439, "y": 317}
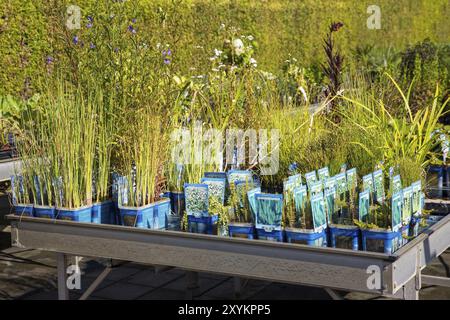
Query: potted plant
{"x": 304, "y": 216}
{"x": 268, "y": 219}
{"x": 140, "y": 159}
{"x": 381, "y": 224}
{"x": 103, "y": 210}
{"x": 243, "y": 209}
{"x": 199, "y": 218}
{"x": 20, "y": 195}
{"x": 343, "y": 232}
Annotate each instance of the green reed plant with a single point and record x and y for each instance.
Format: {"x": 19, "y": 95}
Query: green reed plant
{"x": 141, "y": 156}
{"x": 71, "y": 120}
{"x": 374, "y": 133}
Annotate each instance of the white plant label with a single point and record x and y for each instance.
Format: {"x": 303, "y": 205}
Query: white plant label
{"x": 374, "y": 20}
{"x": 73, "y": 21}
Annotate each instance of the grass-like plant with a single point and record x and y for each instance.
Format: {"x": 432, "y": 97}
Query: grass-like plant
{"x": 141, "y": 156}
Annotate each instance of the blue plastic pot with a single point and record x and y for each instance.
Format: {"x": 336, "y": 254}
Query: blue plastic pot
{"x": 44, "y": 212}
{"x": 344, "y": 237}
{"x": 177, "y": 208}
{"x": 151, "y": 216}
{"x": 24, "y": 210}
{"x": 83, "y": 214}
{"x": 270, "y": 235}
{"x": 306, "y": 236}
{"x": 104, "y": 212}
{"x": 241, "y": 230}
{"x": 380, "y": 240}
{"x": 204, "y": 225}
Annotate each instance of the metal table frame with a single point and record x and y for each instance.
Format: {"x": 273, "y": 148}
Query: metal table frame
{"x": 329, "y": 268}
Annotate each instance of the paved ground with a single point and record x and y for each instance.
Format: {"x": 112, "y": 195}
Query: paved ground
{"x": 31, "y": 274}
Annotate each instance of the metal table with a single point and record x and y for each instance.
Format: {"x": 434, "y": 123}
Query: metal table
{"x": 399, "y": 274}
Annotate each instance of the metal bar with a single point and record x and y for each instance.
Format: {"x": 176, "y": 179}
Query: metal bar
{"x": 191, "y": 284}
{"x": 237, "y": 286}
{"x": 61, "y": 262}
{"x": 436, "y": 281}
{"x": 96, "y": 283}
{"x": 333, "y": 294}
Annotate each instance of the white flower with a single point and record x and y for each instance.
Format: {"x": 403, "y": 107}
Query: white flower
{"x": 215, "y": 69}
{"x": 253, "y": 62}
{"x": 303, "y": 91}
{"x": 238, "y": 46}
{"x": 212, "y": 58}
{"x": 158, "y": 45}
{"x": 217, "y": 53}
{"x": 250, "y": 38}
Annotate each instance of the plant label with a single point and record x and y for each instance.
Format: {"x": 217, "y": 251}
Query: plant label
{"x": 318, "y": 212}
{"x": 196, "y": 199}
{"x": 216, "y": 188}
{"x": 396, "y": 184}
{"x": 296, "y": 179}
{"x": 300, "y": 198}
{"x": 330, "y": 183}
{"x": 330, "y": 197}
{"x": 416, "y": 194}
{"x": 341, "y": 183}
{"x": 310, "y": 177}
{"x": 378, "y": 181}
{"x": 351, "y": 178}
{"x": 368, "y": 183}
{"x": 407, "y": 204}
{"x": 364, "y": 206}
{"x": 323, "y": 173}
{"x": 396, "y": 213}
{"x": 269, "y": 211}
{"x": 315, "y": 187}
{"x": 252, "y": 201}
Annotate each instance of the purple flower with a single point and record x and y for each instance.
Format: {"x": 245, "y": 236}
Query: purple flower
{"x": 131, "y": 29}
{"x": 116, "y": 50}
{"x": 169, "y": 52}
{"x": 49, "y": 60}
{"x": 92, "y": 46}
{"x": 89, "y": 25}
{"x": 166, "y": 61}
{"x": 75, "y": 40}
{"x": 133, "y": 20}
{"x": 90, "y": 19}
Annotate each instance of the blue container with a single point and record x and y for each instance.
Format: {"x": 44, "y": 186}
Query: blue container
{"x": 274, "y": 235}
{"x": 241, "y": 230}
{"x": 384, "y": 241}
{"x": 24, "y": 210}
{"x": 104, "y": 212}
{"x": 45, "y": 212}
{"x": 83, "y": 214}
{"x": 152, "y": 216}
{"x": 204, "y": 225}
{"x": 344, "y": 237}
{"x": 177, "y": 208}
{"x": 306, "y": 236}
